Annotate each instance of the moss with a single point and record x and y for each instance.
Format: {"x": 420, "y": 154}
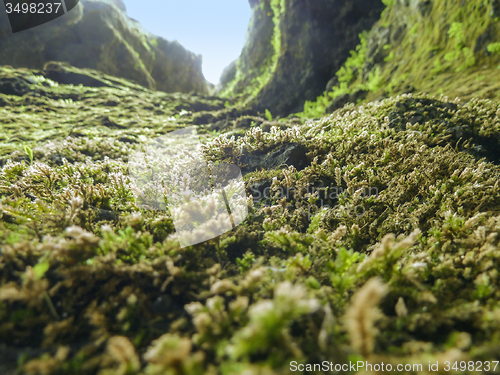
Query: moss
{"x": 398, "y": 197}
{"x": 153, "y": 42}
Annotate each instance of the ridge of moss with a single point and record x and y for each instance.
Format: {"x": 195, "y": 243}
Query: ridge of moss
{"x": 404, "y": 190}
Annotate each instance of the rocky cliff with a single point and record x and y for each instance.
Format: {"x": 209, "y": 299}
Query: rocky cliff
{"x": 372, "y": 235}
{"x": 99, "y": 35}
{"x": 437, "y": 47}
{"x": 293, "y": 48}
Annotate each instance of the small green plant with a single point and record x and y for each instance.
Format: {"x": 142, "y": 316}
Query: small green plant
{"x": 494, "y": 48}
{"x": 342, "y": 270}
{"x": 356, "y": 61}
{"x": 438, "y": 67}
{"x": 452, "y": 56}
{"x": 292, "y": 242}
{"x": 246, "y": 262}
{"x": 374, "y": 80}
{"x": 413, "y": 30}
{"x": 390, "y": 57}
{"x": 41, "y": 269}
{"x": 470, "y": 60}
{"x": 29, "y": 152}
{"x": 316, "y": 109}
{"x": 128, "y": 245}
{"x": 268, "y": 115}
{"x": 456, "y": 34}
{"x": 316, "y": 221}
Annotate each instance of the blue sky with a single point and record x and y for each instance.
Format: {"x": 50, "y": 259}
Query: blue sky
{"x": 215, "y": 29}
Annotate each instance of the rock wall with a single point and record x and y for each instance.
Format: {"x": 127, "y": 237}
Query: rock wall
{"x": 99, "y": 35}
{"x": 293, "y": 49}
{"x": 438, "y": 47}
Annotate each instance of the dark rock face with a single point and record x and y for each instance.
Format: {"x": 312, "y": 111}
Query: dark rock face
{"x": 483, "y": 40}
{"x": 99, "y": 35}
{"x": 495, "y": 8}
{"x": 425, "y": 7}
{"x": 294, "y": 48}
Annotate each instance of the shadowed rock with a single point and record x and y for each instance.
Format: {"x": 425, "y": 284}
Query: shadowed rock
{"x": 284, "y": 155}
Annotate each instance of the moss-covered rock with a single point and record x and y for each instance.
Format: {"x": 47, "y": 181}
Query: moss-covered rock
{"x": 84, "y": 121}
{"x": 380, "y": 243}
{"x": 436, "y": 47}
{"x": 97, "y": 34}
{"x": 293, "y": 48}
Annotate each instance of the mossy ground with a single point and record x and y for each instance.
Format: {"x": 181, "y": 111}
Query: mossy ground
{"x": 434, "y": 47}
{"x": 398, "y": 207}
{"x": 79, "y": 122}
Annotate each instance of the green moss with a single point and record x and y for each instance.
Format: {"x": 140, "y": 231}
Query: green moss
{"x": 153, "y": 42}
{"x": 29, "y": 152}
{"x": 403, "y": 190}
{"x": 259, "y": 79}
{"x": 268, "y": 115}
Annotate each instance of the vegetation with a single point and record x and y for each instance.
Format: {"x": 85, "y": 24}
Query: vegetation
{"x": 259, "y": 76}
{"x": 440, "y": 49}
{"x": 372, "y": 232}
{"x": 396, "y": 209}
